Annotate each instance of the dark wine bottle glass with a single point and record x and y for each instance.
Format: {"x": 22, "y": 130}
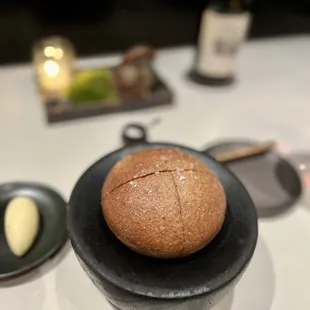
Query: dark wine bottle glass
{"x": 223, "y": 28}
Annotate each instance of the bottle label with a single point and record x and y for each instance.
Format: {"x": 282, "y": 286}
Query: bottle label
{"x": 221, "y": 35}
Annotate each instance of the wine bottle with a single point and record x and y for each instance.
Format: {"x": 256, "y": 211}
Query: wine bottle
{"x": 223, "y": 28}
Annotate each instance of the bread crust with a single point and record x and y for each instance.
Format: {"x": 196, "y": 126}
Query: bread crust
{"x": 163, "y": 203}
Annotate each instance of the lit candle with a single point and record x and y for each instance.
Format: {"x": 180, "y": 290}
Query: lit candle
{"x": 54, "y": 65}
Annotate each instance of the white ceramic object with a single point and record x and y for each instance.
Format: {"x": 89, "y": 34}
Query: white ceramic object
{"x": 21, "y": 224}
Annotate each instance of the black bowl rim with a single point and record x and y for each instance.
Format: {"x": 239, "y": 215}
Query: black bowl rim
{"x": 53, "y": 251}
{"x": 136, "y": 289}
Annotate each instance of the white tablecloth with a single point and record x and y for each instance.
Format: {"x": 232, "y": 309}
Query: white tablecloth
{"x": 270, "y": 101}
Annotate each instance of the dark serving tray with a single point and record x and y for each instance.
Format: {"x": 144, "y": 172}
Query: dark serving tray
{"x": 60, "y": 111}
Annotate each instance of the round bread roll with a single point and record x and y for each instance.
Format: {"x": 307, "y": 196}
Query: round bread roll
{"x": 163, "y": 203}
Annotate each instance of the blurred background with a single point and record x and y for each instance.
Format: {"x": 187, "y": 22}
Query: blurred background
{"x": 96, "y": 27}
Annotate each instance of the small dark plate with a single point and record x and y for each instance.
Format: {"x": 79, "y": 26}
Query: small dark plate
{"x": 271, "y": 180}
{"x": 133, "y": 281}
{"x": 52, "y": 234}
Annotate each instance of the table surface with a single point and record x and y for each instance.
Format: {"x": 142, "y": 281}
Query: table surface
{"x": 270, "y": 101}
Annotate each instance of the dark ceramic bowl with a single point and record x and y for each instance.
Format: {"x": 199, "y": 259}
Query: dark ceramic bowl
{"x": 131, "y": 281}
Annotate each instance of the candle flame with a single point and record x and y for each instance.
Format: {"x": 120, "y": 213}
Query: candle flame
{"x": 49, "y": 51}
{"x": 55, "y": 52}
{"x": 51, "y": 68}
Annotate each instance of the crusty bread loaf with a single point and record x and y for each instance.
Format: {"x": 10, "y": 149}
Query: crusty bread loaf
{"x": 163, "y": 203}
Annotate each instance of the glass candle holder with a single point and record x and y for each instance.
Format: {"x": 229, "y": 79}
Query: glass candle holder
{"x": 54, "y": 61}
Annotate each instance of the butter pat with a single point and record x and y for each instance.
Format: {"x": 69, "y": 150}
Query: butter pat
{"x": 21, "y": 224}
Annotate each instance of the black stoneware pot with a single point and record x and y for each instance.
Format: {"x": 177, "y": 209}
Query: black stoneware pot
{"x": 131, "y": 281}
